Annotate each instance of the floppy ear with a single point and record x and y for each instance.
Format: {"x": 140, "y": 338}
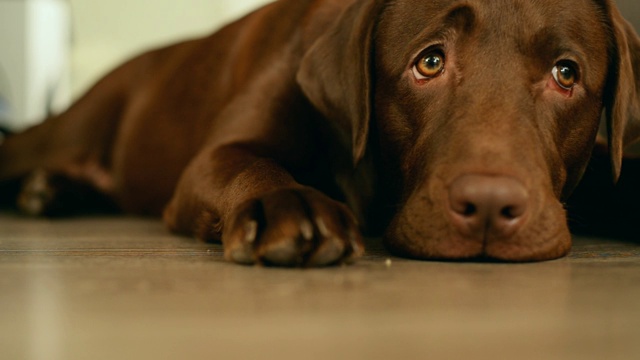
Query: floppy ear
{"x": 335, "y": 74}
{"x": 623, "y": 102}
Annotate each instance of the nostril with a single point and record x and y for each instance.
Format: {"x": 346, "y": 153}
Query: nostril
{"x": 469, "y": 209}
{"x": 510, "y": 213}
{"x": 464, "y": 208}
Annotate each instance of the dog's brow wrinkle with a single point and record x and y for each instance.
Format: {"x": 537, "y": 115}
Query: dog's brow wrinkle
{"x": 462, "y": 17}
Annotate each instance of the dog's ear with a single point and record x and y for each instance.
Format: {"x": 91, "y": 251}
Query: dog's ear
{"x": 623, "y": 95}
{"x": 335, "y": 74}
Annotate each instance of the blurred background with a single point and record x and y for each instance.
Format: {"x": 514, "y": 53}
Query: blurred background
{"x": 107, "y": 32}
{"x": 51, "y": 51}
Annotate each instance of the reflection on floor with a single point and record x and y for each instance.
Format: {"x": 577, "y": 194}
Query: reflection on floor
{"x": 123, "y": 288}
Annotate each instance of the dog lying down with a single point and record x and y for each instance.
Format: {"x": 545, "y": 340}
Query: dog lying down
{"x": 455, "y": 128}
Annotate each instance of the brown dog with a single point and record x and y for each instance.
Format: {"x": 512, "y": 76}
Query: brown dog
{"x": 457, "y": 126}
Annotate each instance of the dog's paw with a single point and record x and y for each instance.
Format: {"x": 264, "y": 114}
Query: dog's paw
{"x": 37, "y": 194}
{"x": 300, "y": 227}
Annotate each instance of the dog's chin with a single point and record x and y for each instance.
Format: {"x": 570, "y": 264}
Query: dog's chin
{"x": 546, "y": 247}
{"x": 531, "y": 244}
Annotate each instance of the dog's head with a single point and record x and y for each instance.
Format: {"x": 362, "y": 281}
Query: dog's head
{"x": 484, "y": 112}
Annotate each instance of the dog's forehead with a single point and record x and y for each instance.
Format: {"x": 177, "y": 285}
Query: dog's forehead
{"x": 581, "y": 22}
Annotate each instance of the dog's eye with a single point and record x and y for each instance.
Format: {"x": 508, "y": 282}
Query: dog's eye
{"x": 429, "y": 65}
{"x": 565, "y": 74}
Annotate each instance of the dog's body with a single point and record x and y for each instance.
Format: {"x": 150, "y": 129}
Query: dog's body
{"x": 459, "y": 126}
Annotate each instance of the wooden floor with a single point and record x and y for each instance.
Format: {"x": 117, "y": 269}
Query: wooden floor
{"x": 122, "y": 288}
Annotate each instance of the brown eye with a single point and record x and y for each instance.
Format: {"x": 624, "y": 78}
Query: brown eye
{"x": 429, "y": 65}
{"x": 565, "y": 75}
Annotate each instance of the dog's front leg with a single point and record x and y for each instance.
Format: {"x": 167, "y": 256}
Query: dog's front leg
{"x": 261, "y": 214}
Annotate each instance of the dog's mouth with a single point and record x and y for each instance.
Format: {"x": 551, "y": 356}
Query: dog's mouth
{"x": 457, "y": 249}
{"x": 481, "y": 219}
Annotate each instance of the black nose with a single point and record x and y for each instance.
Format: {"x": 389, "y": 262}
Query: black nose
{"x": 483, "y": 205}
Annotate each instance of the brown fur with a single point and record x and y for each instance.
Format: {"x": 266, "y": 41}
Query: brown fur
{"x": 256, "y": 134}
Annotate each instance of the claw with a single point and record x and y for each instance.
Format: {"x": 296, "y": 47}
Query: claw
{"x": 322, "y": 227}
{"x": 297, "y": 229}
{"x": 250, "y": 231}
{"x": 357, "y": 250}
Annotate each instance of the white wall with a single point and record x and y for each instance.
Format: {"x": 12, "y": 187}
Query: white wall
{"x": 107, "y": 32}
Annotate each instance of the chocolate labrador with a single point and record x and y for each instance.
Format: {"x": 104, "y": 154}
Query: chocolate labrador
{"x": 456, "y": 128}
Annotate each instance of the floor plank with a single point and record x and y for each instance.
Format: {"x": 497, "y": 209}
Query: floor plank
{"x": 124, "y": 288}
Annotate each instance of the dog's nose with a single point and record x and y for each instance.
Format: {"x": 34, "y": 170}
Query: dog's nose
{"x": 484, "y": 206}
